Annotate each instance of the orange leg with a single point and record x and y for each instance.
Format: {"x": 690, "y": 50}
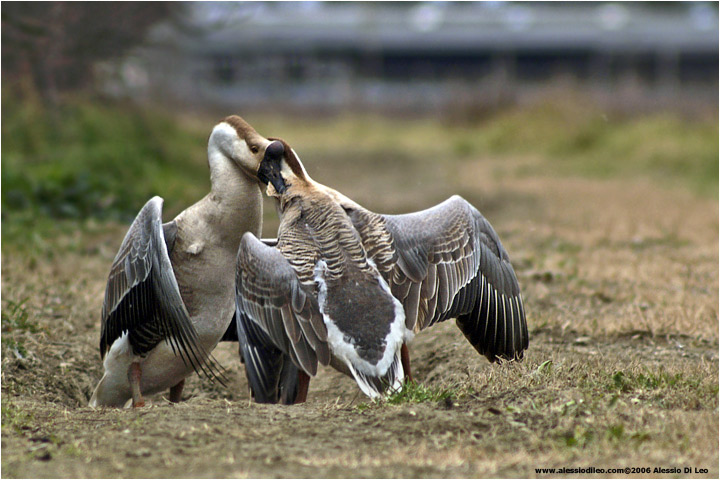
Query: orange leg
{"x": 134, "y": 374}
{"x": 176, "y": 391}
{"x": 405, "y": 360}
{"x": 303, "y": 385}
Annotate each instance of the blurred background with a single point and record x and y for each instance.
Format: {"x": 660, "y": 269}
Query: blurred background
{"x": 105, "y": 104}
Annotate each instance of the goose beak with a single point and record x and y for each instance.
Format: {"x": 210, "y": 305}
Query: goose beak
{"x": 269, "y": 170}
{"x": 278, "y": 183}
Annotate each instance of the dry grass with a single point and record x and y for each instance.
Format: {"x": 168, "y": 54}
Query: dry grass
{"x": 620, "y": 279}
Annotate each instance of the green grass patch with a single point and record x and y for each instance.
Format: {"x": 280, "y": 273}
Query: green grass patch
{"x": 92, "y": 158}
{"x": 14, "y": 417}
{"x": 614, "y": 435}
{"x": 15, "y": 318}
{"x": 413, "y": 392}
{"x": 627, "y": 382}
{"x": 570, "y": 140}
{"x": 662, "y": 147}
{"x": 661, "y": 387}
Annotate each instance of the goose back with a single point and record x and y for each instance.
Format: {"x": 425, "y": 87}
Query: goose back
{"x": 363, "y": 323}
{"x": 324, "y": 248}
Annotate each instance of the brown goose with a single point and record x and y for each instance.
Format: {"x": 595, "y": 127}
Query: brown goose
{"x": 348, "y": 287}
{"x": 169, "y": 296}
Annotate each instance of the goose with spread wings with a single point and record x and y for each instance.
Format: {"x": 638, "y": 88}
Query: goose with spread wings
{"x": 169, "y": 296}
{"x": 348, "y": 287}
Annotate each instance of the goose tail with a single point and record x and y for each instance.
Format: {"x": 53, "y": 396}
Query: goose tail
{"x": 378, "y": 386}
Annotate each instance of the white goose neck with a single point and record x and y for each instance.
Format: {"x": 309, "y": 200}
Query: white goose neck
{"x": 234, "y": 193}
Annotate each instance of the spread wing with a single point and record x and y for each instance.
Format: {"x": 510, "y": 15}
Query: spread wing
{"x": 448, "y": 262}
{"x": 274, "y": 311}
{"x": 142, "y": 297}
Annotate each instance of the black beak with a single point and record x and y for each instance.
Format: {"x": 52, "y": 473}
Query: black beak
{"x": 269, "y": 171}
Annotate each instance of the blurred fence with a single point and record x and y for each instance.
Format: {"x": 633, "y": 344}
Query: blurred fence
{"x": 429, "y": 55}
{"x": 366, "y": 55}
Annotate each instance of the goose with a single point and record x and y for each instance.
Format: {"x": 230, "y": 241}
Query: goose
{"x": 169, "y": 295}
{"x": 347, "y": 287}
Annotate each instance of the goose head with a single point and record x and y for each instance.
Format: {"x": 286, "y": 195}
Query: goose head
{"x": 281, "y": 169}
{"x": 234, "y": 140}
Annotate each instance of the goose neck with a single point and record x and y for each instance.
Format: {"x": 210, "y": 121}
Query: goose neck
{"x": 235, "y": 194}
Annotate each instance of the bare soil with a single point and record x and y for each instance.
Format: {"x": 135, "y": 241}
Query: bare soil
{"x": 620, "y": 279}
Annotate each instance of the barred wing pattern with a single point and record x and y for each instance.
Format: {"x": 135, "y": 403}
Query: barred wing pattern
{"x": 270, "y": 372}
{"x": 142, "y": 297}
{"x": 273, "y": 309}
{"x": 448, "y": 262}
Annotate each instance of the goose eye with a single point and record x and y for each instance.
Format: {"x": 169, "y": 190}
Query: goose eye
{"x": 254, "y": 149}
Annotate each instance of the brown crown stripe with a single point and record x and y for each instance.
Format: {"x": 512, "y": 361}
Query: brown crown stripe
{"x": 243, "y": 128}
{"x": 290, "y": 158}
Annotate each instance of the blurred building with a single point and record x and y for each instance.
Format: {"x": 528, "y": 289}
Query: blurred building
{"x": 423, "y": 55}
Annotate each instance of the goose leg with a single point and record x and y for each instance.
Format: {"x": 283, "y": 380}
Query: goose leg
{"x": 134, "y": 374}
{"x": 303, "y": 385}
{"x": 405, "y": 360}
{"x": 176, "y": 391}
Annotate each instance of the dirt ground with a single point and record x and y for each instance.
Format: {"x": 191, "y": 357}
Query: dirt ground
{"x": 620, "y": 278}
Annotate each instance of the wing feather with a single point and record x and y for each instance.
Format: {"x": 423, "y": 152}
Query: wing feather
{"x": 271, "y": 299}
{"x": 142, "y": 297}
{"x": 448, "y": 262}
{"x": 271, "y": 374}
